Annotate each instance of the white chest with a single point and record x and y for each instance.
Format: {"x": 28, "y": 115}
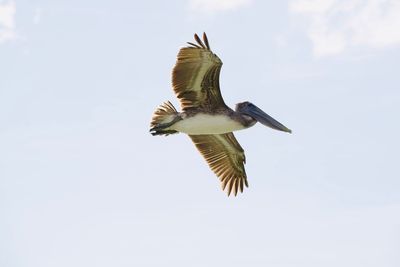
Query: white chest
{"x": 207, "y": 124}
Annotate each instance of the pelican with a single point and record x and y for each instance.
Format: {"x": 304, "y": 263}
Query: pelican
{"x": 206, "y": 118}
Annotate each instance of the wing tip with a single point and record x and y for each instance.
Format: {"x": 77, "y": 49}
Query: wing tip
{"x": 233, "y": 185}
{"x": 192, "y": 44}
{"x": 198, "y": 40}
{"x": 200, "y": 44}
{"x": 205, "y": 39}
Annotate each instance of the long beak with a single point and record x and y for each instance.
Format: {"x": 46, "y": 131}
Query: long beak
{"x": 265, "y": 119}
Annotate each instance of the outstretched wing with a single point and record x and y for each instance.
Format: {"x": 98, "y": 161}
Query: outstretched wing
{"x": 225, "y": 157}
{"x": 195, "y": 77}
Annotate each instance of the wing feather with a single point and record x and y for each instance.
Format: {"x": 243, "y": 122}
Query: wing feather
{"x": 195, "y": 77}
{"x": 198, "y": 40}
{"x": 225, "y": 157}
{"x": 206, "y": 41}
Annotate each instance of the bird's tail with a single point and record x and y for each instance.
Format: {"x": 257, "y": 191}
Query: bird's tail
{"x": 164, "y": 116}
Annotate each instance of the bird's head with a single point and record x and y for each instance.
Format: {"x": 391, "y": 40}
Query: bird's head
{"x": 253, "y": 111}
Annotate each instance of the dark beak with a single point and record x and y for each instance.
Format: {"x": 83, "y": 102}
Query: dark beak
{"x": 262, "y": 117}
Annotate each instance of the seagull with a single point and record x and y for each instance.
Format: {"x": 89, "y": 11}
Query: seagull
{"x": 206, "y": 118}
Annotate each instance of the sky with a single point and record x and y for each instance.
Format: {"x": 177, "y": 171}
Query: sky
{"x": 83, "y": 183}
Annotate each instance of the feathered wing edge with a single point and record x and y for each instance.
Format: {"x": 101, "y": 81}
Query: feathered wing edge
{"x": 226, "y": 159}
{"x": 200, "y": 44}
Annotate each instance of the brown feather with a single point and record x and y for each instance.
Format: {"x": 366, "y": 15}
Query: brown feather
{"x": 198, "y": 40}
{"x": 206, "y": 41}
{"x": 195, "y": 45}
{"x": 225, "y": 157}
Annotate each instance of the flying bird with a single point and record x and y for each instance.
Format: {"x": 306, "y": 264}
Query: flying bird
{"x": 206, "y": 118}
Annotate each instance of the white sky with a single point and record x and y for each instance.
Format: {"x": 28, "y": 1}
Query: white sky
{"x": 83, "y": 183}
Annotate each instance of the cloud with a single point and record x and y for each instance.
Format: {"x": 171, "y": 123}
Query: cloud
{"x": 213, "y": 6}
{"x": 7, "y": 21}
{"x": 336, "y": 25}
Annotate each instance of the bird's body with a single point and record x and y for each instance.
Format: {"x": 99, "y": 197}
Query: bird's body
{"x": 205, "y": 117}
{"x": 201, "y": 122}
{"x": 204, "y": 123}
